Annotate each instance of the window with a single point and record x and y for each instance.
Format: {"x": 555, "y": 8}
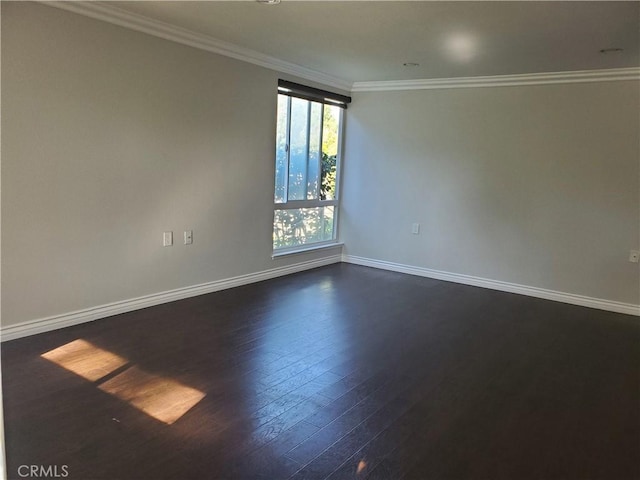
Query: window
{"x": 308, "y": 140}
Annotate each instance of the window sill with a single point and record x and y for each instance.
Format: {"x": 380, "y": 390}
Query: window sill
{"x": 305, "y": 249}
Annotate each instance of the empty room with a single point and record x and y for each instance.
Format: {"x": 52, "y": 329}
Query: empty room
{"x": 285, "y": 239}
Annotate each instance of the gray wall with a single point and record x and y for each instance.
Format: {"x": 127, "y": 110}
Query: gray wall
{"x": 109, "y": 138}
{"x": 534, "y": 185}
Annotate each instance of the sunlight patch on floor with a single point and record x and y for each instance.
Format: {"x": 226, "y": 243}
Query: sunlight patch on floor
{"x": 160, "y": 397}
{"x": 85, "y": 359}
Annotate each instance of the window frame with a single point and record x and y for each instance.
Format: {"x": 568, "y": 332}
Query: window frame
{"x": 315, "y": 202}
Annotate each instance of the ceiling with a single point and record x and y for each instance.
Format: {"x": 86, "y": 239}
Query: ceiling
{"x": 369, "y": 41}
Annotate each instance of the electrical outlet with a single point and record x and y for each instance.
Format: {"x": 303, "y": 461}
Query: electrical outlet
{"x": 634, "y": 256}
{"x": 188, "y": 237}
{"x": 167, "y": 239}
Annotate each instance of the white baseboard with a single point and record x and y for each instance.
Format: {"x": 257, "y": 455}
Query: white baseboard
{"x": 599, "y": 303}
{"x": 41, "y": 325}
{"x": 55, "y": 322}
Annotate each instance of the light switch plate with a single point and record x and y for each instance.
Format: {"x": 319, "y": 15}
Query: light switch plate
{"x": 167, "y": 239}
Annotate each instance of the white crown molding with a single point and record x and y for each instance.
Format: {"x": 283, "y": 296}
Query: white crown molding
{"x": 32, "y": 327}
{"x": 584, "y": 301}
{"x": 608, "y": 75}
{"x": 133, "y": 21}
{"x": 140, "y": 23}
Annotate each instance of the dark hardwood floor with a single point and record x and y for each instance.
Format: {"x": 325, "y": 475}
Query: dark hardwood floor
{"x": 339, "y": 372}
